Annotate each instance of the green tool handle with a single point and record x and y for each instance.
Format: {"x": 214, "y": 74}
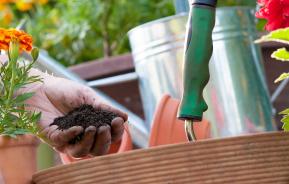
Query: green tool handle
{"x": 198, "y": 51}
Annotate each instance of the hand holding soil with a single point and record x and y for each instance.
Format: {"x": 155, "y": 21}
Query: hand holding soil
{"x": 83, "y": 125}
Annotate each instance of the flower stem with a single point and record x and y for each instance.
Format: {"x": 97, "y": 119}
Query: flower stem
{"x": 13, "y": 56}
{"x": 12, "y": 81}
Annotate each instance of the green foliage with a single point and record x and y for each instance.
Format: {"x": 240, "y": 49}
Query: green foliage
{"x": 282, "y": 36}
{"x": 281, "y": 54}
{"x": 34, "y": 54}
{"x": 261, "y": 24}
{"x": 285, "y": 121}
{"x": 75, "y": 31}
{"x": 283, "y": 76}
{"x": 286, "y": 111}
{"x": 237, "y": 3}
{"x": 14, "y": 118}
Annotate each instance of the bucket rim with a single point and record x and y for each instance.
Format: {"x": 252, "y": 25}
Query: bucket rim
{"x": 183, "y": 14}
{"x": 164, "y": 19}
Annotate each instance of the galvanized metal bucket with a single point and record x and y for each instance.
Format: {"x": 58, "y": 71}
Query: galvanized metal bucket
{"x": 237, "y": 93}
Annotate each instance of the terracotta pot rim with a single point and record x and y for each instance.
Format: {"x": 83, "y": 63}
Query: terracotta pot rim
{"x": 20, "y": 140}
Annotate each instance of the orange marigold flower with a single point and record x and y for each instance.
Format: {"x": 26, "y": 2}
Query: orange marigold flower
{"x": 25, "y": 40}
{"x": 7, "y": 1}
{"x": 24, "y": 5}
{"x": 7, "y": 16}
{"x": 42, "y": 2}
{"x": 2, "y": 6}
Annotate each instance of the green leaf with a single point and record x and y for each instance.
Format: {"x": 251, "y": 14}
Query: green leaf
{"x": 9, "y": 131}
{"x": 282, "y": 77}
{"x": 285, "y": 121}
{"x": 12, "y": 117}
{"x": 20, "y": 85}
{"x": 34, "y": 78}
{"x": 279, "y": 35}
{"x": 25, "y": 96}
{"x": 35, "y": 54}
{"x": 281, "y": 54}
{"x": 13, "y": 132}
{"x": 36, "y": 117}
{"x": 17, "y": 110}
{"x": 21, "y": 131}
{"x": 285, "y": 112}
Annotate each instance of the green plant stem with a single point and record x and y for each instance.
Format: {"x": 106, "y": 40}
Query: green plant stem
{"x": 12, "y": 81}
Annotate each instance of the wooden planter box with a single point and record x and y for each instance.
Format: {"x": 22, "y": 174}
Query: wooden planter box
{"x": 261, "y": 158}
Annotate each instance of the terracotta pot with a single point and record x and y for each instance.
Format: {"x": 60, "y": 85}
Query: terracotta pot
{"x": 18, "y": 159}
{"x": 259, "y": 158}
{"x": 167, "y": 129}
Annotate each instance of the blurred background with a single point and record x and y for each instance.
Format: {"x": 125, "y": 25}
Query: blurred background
{"x": 77, "y": 31}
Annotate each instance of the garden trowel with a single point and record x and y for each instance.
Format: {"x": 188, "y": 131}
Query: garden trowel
{"x": 198, "y": 51}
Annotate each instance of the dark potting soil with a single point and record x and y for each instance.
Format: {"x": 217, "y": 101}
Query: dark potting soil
{"x": 84, "y": 116}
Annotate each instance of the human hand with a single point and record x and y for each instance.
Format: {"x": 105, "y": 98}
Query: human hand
{"x": 54, "y": 98}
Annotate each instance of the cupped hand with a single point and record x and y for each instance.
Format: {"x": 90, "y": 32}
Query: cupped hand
{"x": 55, "y": 97}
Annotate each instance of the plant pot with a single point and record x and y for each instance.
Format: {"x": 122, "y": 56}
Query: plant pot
{"x": 18, "y": 159}
{"x": 258, "y": 158}
{"x": 168, "y": 129}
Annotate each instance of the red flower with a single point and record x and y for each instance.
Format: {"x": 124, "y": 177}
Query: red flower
{"x": 276, "y": 12}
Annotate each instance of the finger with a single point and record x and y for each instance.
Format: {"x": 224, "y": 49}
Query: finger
{"x": 116, "y": 111}
{"x": 55, "y": 140}
{"x": 48, "y": 131}
{"x": 55, "y": 137}
{"x": 117, "y": 129}
{"x": 102, "y": 141}
{"x": 71, "y": 133}
{"x": 82, "y": 148}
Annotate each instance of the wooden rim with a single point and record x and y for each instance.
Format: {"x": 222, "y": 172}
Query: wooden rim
{"x": 20, "y": 140}
{"x": 244, "y": 159}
